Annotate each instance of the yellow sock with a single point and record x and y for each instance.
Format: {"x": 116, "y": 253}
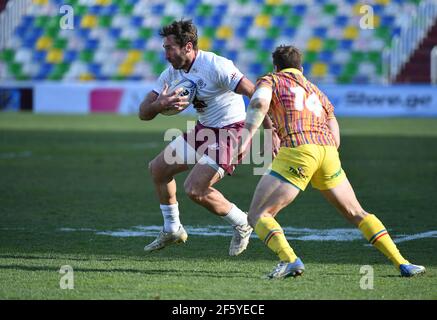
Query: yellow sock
{"x": 375, "y": 232}
{"x": 271, "y": 233}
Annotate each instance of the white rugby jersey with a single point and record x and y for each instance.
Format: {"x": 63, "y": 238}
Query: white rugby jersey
{"x": 216, "y": 78}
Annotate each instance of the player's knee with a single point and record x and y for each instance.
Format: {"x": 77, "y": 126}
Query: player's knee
{"x": 156, "y": 170}
{"x": 195, "y": 195}
{"x": 193, "y": 192}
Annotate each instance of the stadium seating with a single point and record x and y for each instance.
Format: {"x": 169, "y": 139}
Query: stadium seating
{"x": 118, "y": 39}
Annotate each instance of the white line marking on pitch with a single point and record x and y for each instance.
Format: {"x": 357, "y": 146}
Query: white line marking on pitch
{"x": 303, "y": 234}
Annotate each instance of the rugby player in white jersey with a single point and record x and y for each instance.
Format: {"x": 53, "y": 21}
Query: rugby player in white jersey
{"x": 220, "y": 107}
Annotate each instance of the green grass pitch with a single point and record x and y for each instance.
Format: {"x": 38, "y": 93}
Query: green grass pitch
{"x": 89, "y": 173}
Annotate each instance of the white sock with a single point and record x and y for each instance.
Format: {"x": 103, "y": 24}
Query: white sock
{"x": 170, "y": 212}
{"x": 236, "y": 217}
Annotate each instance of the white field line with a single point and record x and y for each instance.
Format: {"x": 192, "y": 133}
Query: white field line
{"x": 423, "y": 235}
{"x": 303, "y": 234}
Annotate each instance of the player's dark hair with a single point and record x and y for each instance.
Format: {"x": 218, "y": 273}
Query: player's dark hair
{"x": 287, "y": 57}
{"x": 184, "y": 31}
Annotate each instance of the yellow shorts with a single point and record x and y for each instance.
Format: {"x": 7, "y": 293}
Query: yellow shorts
{"x": 309, "y": 162}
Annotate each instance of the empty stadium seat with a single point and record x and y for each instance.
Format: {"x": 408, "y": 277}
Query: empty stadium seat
{"x": 119, "y": 39}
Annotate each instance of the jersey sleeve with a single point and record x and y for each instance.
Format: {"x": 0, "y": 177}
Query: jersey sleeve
{"x": 228, "y": 74}
{"x": 163, "y": 78}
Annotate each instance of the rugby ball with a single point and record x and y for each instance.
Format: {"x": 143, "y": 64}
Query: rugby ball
{"x": 188, "y": 89}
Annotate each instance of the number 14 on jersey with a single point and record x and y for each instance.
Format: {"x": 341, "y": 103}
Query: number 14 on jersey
{"x": 312, "y": 103}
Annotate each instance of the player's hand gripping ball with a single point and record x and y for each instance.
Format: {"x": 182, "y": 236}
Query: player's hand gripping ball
{"x": 188, "y": 89}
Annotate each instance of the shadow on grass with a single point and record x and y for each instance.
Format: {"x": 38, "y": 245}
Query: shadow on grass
{"x": 145, "y": 271}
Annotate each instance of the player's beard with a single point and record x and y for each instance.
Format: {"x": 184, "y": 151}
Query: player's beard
{"x": 179, "y": 63}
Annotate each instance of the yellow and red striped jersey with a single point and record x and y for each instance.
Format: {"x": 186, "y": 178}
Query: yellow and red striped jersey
{"x": 299, "y": 110}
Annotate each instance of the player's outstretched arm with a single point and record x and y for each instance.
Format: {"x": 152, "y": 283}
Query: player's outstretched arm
{"x": 247, "y": 88}
{"x": 256, "y": 112}
{"x": 154, "y": 103}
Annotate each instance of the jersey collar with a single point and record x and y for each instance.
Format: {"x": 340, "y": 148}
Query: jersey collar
{"x": 292, "y": 70}
{"x": 194, "y": 60}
